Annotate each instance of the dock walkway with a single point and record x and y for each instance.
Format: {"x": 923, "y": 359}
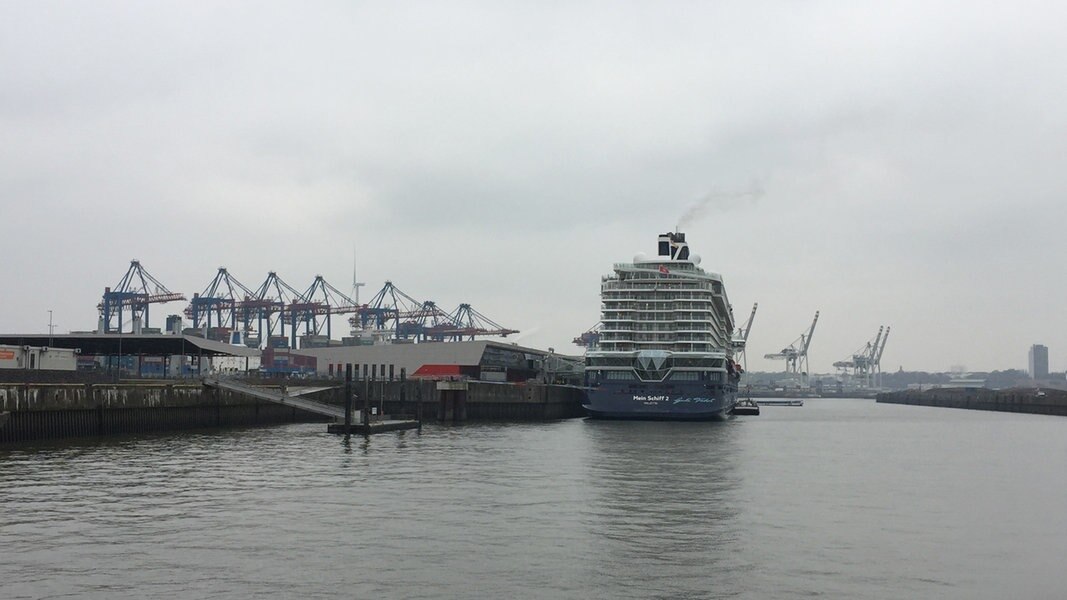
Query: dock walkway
{"x": 291, "y": 397}
{"x": 287, "y": 397}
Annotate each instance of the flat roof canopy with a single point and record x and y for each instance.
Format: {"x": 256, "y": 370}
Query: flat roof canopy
{"x": 113, "y": 344}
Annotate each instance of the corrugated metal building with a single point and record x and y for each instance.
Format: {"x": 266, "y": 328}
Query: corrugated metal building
{"x": 38, "y": 358}
{"x": 483, "y": 359}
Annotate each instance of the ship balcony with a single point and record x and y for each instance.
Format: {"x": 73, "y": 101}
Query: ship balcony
{"x": 662, "y": 338}
{"x": 649, "y": 297}
{"x": 653, "y": 345}
{"x": 609, "y": 333}
{"x": 638, "y": 333}
{"x": 690, "y": 348}
{"x": 692, "y": 337}
{"x": 693, "y": 318}
{"x": 652, "y": 266}
{"x": 654, "y": 314}
{"x": 663, "y": 284}
{"x": 702, "y": 307}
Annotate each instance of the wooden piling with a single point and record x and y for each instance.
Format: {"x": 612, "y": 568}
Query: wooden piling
{"x": 348, "y": 396}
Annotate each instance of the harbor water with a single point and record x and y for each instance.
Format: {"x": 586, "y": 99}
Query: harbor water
{"x": 835, "y": 499}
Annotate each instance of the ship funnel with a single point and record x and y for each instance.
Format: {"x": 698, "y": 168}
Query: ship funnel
{"x": 673, "y": 245}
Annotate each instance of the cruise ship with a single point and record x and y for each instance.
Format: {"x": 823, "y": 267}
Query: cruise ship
{"x": 667, "y": 347}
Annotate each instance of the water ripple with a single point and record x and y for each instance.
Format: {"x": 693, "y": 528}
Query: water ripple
{"x": 847, "y": 499}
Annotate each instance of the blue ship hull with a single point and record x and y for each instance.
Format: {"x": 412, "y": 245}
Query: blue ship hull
{"x": 693, "y": 401}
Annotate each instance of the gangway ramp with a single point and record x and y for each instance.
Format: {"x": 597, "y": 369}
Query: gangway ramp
{"x": 286, "y": 398}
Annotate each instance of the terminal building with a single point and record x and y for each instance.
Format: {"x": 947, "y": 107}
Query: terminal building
{"x": 130, "y": 355}
{"x": 38, "y": 358}
{"x": 169, "y": 355}
{"x": 483, "y": 359}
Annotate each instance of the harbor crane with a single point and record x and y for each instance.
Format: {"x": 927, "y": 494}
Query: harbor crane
{"x": 221, "y": 299}
{"x": 392, "y": 313}
{"x": 795, "y": 354}
{"x": 864, "y": 366}
{"x": 383, "y": 310}
{"x": 317, "y": 304}
{"x": 429, "y": 322}
{"x": 470, "y": 323}
{"x": 267, "y": 307}
{"x": 858, "y": 366}
{"x": 134, "y": 292}
{"x": 876, "y": 363}
{"x": 589, "y": 338}
{"x": 740, "y": 338}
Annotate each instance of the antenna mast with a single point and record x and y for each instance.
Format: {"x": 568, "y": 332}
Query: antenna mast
{"x": 356, "y": 283}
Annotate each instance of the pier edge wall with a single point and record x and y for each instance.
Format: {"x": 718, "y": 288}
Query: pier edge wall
{"x": 32, "y": 411}
{"x": 1019, "y": 400}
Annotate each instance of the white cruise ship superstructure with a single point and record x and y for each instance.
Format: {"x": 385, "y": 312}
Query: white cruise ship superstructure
{"x": 666, "y": 347}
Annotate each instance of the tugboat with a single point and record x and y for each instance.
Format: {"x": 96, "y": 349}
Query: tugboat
{"x": 665, "y": 350}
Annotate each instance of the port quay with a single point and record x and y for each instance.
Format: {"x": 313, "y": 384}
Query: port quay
{"x": 267, "y": 356}
{"x": 242, "y": 357}
{"x": 51, "y": 404}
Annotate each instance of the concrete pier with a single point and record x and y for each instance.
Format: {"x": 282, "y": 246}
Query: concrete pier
{"x": 1021, "y": 400}
{"x": 65, "y": 407}
{"x": 41, "y": 411}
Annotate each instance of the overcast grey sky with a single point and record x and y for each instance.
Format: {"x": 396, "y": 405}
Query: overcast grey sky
{"x": 910, "y": 158}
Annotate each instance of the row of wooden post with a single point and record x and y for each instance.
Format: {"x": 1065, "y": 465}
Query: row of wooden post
{"x": 366, "y": 396}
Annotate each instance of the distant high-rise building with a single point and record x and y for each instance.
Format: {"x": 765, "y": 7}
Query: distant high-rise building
{"x": 1038, "y": 361}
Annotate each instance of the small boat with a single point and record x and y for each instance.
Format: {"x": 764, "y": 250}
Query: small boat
{"x": 746, "y": 406}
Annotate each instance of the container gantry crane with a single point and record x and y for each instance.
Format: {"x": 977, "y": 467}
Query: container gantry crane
{"x": 795, "y": 355}
{"x": 876, "y": 362}
{"x": 392, "y": 313}
{"x": 222, "y": 299}
{"x": 858, "y": 367}
{"x": 590, "y": 338}
{"x": 134, "y": 292}
{"x": 470, "y": 323}
{"x": 382, "y": 314}
{"x": 740, "y": 337}
{"x": 315, "y": 307}
{"x": 267, "y": 309}
{"x": 430, "y": 322}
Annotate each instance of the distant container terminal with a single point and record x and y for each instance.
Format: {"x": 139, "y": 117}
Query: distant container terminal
{"x": 277, "y": 315}
{"x": 126, "y": 376}
{"x": 276, "y": 330}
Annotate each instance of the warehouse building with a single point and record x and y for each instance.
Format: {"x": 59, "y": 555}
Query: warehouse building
{"x": 38, "y": 358}
{"x": 484, "y": 360}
